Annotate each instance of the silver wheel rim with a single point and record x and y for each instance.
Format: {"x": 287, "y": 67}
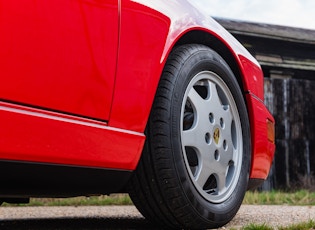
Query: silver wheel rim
{"x": 211, "y": 137}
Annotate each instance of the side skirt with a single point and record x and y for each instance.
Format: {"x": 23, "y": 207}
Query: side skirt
{"x": 26, "y": 179}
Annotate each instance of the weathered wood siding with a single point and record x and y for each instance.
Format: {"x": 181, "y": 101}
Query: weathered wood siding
{"x": 292, "y": 102}
{"x": 287, "y": 57}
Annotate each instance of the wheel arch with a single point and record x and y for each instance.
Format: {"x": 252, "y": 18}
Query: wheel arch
{"x": 207, "y": 39}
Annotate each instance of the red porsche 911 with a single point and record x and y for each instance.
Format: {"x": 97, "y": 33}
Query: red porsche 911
{"x": 153, "y": 98}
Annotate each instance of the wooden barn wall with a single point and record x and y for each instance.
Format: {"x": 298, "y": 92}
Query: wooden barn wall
{"x": 287, "y": 57}
{"x": 292, "y": 102}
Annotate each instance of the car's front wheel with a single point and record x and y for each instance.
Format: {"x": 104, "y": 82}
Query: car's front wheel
{"x": 194, "y": 169}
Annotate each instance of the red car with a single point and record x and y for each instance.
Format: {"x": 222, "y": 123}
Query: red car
{"x": 153, "y": 98}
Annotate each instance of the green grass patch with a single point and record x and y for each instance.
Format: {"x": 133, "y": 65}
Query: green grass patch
{"x": 115, "y": 199}
{"x": 310, "y": 225}
{"x": 302, "y": 197}
{"x": 257, "y": 227}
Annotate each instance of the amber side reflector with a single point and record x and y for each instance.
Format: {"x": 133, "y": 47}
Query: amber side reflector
{"x": 271, "y": 131}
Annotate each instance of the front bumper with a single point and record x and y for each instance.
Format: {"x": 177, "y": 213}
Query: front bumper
{"x": 263, "y": 138}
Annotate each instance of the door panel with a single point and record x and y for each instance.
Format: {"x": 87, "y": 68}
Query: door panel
{"x": 59, "y": 55}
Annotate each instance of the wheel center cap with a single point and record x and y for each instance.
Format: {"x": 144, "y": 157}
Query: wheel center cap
{"x": 216, "y": 135}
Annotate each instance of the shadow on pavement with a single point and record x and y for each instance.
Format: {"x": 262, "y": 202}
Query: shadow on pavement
{"x": 77, "y": 224}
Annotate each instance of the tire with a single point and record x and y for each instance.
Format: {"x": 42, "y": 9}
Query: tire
{"x": 193, "y": 172}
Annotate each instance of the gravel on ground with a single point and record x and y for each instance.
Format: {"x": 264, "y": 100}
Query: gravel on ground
{"x": 272, "y": 215}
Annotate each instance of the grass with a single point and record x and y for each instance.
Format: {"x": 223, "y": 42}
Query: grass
{"x": 115, "y": 199}
{"x": 310, "y": 225}
{"x": 301, "y": 226}
{"x": 257, "y": 227}
{"x": 302, "y": 197}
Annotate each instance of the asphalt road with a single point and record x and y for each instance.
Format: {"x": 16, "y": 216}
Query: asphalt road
{"x": 127, "y": 217}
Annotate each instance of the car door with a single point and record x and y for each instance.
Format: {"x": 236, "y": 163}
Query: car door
{"x": 59, "y": 55}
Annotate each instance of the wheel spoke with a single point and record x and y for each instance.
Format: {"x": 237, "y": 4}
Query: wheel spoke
{"x": 221, "y": 182}
{"x": 191, "y": 137}
{"x": 214, "y": 101}
{"x": 202, "y": 178}
{"x": 226, "y": 156}
{"x": 228, "y": 148}
{"x": 196, "y": 100}
{"x": 227, "y": 151}
{"x": 227, "y": 117}
{"x": 205, "y": 170}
